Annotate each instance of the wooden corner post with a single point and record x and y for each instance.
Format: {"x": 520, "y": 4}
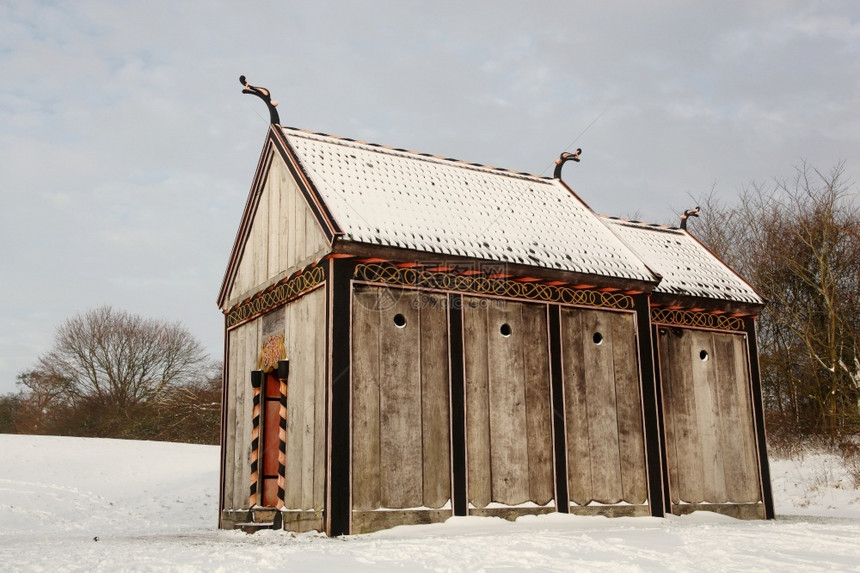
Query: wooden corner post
{"x": 562, "y": 492}
{"x": 758, "y": 413}
{"x": 458, "y": 405}
{"x": 652, "y": 409}
{"x": 338, "y": 502}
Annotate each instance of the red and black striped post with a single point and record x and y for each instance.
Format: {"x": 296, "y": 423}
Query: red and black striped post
{"x": 283, "y": 375}
{"x": 256, "y": 384}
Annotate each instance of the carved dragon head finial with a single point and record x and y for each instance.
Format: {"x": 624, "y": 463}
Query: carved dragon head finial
{"x": 687, "y": 214}
{"x": 564, "y": 157}
{"x": 264, "y": 95}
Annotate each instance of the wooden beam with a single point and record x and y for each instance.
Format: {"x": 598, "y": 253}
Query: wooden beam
{"x": 458, "y": 404}
{"x": 660, "y": 420}
{"x": 433, "y": 261}
{"x": 705, "y": 304}
{"x": 651, "y": 408}
{"x": 338, "y": 503}
{"x": 758, "y": 409}
{"x": 562, "y": 498}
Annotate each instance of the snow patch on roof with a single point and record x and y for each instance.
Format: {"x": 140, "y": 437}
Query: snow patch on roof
{"x": 686, "y": 266}
{"x": 396, "y": 198}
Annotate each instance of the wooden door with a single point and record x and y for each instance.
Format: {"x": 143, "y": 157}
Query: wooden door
{"x": 509, "y": 436}
{"x": 270, "y": 440}
{"x": 603, "y": 411}
{"x": 708, "y": 418}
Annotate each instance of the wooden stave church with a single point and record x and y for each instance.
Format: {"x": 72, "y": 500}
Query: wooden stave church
{"x": 398, "y": 335}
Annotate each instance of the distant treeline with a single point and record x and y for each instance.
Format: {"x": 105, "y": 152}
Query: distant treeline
{"x": 798, "y": 242}
{"x": 112, "y": 374}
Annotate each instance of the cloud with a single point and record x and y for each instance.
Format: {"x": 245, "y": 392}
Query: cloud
{"x": 127, "y": 150}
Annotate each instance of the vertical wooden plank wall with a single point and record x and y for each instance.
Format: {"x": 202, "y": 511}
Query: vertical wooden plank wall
{"x": 400, "y": 443}
{"x": 304, "y": 325}
{"x": 320, "y": 335}
{"x": 606, "y": 450}
{"x": 244, "y": 346}
{"x": 435, "y": 400}
{"x": 508, "y": 404}
{"x": 365, "y": 401}
{"x": 710, "y": 439}
{"x": 400, "y": 426}
{"x": 400, "y": 405}
{"x": 477, "y": 386}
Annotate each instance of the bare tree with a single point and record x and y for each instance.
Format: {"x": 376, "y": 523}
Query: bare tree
{"x": 192, "y": 412}
{"x": 797, "y": 241}
{"x": 110, "y": 358}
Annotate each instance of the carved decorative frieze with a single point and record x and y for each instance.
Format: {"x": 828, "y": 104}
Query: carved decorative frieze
{"x": 280, "y": 293}
{"x": 678, "y": 317}
{"x": 482, "y": 285}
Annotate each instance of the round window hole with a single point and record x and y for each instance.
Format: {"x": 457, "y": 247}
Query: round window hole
{"x": 703, "y": 355}
{"x": 505, "y": 330}
{"x": 597, "y": 338}
{"x": 399, "y": 320}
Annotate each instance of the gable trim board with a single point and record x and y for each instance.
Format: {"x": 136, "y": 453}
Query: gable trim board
{"x": 273, "y": 150}
{"x": 315, "y": 202}
{"x": 260, "y": 175}
{"x": 279, "y": 232}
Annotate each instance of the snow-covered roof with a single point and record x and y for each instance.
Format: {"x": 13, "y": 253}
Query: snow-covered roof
{"x": 687, "y": 267}
{"x": 383, "y": 196}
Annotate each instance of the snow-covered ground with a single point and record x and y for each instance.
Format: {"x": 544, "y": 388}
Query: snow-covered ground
{"x": 153, "y": 506}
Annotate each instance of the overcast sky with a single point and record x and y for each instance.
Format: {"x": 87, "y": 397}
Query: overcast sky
{"x": 127, "y": 149}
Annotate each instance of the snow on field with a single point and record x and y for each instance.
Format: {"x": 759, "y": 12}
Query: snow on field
{"x": 153, "y": 507}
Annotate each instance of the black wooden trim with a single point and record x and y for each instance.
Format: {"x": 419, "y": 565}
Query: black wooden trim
{"x": 326, "y": 511}
{"x": 758, "y": 408}
{"x": 562, "y": 494}
{"x": 256, "y": 379}
{"x": 458, "y": 404}
{"x": 251, "y": 203}
{"x": 658, "y": 387}
{"x": 312, "y": 197}
{"x": 651, "y": 407}
{"x": 339, "y": 508}
{"x": 283, "y": 369}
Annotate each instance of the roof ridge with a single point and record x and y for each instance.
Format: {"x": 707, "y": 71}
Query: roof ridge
{"x": 419, "y": 154}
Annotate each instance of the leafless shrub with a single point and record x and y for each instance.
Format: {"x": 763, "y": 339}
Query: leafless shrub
{"x": 798, "y": 242}
{"x": 115, "y": 374}
{"x": 849, "y": 447}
